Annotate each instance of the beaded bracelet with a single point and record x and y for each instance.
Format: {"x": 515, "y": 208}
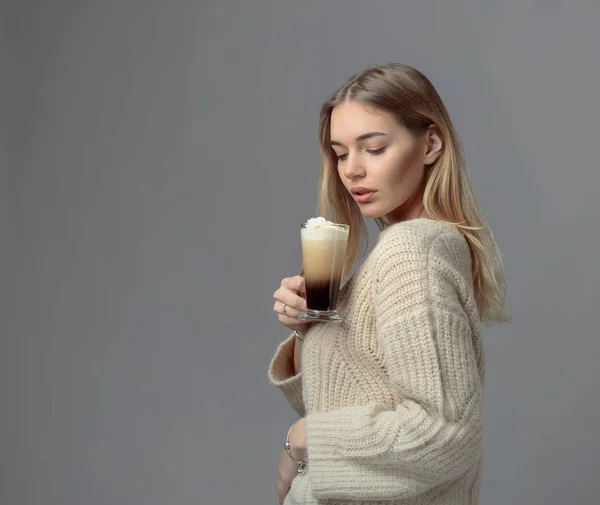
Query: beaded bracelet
{"x": 301, "y": 463}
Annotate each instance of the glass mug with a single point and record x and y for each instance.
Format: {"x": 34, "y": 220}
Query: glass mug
{"x": 323, "y": 258}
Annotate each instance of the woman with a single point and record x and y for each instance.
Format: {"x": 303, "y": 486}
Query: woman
{"x": 391, "y": 400}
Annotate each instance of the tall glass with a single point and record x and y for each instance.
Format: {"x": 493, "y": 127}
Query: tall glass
{"x": 323, "y": 256}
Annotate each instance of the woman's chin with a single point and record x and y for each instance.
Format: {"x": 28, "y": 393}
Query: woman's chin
{"x": 370, "y": 213}
{"x": 373, "y": 210}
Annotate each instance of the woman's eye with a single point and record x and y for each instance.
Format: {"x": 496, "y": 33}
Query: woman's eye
{"x": 377, "y": 151}
{"x": 342, "y": 157}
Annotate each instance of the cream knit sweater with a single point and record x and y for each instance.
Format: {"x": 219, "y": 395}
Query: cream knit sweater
{"x": 393, "y": 396}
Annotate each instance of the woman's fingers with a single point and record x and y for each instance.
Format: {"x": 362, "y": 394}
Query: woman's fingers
{"x": 286, "y": 473}
{"x": 295, "y": 284}
{"x": 284, "y": 298}
{"x": 289, "y": 309}
{"x": 282, "y": 491}
{"x": 289, "y": 302}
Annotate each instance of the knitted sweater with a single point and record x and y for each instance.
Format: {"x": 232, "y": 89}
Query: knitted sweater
{"x": 393, "y": 396}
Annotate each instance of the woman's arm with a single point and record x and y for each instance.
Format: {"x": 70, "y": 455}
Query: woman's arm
{"x": 285, "y": 366}
{"x": 285, "y": 372}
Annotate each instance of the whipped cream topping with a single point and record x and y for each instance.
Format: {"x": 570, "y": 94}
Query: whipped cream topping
{"x": 315, "y": 223}
{"x": 319, "y": 228}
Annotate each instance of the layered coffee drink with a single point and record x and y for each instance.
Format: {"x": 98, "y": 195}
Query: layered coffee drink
{"x": 323, "y": 255}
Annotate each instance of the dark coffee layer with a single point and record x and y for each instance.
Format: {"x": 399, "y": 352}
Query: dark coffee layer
{"x": 322, "y": 295}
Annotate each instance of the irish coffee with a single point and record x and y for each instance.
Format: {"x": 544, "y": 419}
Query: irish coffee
{"x": 323, "y": 254}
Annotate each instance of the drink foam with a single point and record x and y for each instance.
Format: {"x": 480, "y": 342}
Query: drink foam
{"x": 319, "y": 228}
{"x": 317, "y": 222}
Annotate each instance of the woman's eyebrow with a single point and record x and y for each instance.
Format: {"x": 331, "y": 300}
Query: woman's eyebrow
{"x": 361, "y": 138}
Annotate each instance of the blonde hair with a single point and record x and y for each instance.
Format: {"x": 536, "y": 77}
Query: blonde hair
{"x": 448, "y": 196}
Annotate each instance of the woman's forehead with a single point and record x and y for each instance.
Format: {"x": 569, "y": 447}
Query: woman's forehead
{"x": 357, "y": 110}
{"x": 349, "y": 120}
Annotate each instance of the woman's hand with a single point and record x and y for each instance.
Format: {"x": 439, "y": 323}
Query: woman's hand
{"x": 290, "y": 302}
{"x": 288, "y": 470}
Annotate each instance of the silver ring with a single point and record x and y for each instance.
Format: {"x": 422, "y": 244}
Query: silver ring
{"x": 283, "y": 309}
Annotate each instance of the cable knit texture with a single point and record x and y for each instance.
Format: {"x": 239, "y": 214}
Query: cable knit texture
{"x": 393, "y": 396}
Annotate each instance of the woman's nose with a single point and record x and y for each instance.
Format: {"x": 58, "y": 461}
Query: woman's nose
{"x": 353, "y": 168}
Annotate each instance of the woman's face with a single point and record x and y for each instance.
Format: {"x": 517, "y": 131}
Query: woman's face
{"x": 380, "y": 162}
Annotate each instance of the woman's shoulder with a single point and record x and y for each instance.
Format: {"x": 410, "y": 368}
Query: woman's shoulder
{"x": 418, "y": 236}
{"x": 419, "y": 249}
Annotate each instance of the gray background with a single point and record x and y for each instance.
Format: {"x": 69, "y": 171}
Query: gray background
{"x": 160, "y": 157}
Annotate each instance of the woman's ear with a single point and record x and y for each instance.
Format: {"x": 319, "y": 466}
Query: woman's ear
{"x": 433, "y": 145}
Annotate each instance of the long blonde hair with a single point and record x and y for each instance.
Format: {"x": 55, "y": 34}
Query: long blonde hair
{"x": 448, "y": 196}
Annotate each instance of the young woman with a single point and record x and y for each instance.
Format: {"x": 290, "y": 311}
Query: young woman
{"x": 391, "y": 400}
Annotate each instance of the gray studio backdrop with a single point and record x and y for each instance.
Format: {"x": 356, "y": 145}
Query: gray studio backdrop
{"x": 160, "y": 157}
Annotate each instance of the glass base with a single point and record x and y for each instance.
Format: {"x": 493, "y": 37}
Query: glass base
{"x": 327, "y": 316}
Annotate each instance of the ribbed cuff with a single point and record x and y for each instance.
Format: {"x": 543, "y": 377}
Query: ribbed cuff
{"x": 281, "y": 374}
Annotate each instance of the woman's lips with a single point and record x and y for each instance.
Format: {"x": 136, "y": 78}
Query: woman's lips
{"x": 363, "y": 196}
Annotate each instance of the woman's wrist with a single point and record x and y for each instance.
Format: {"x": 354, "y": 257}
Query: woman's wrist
{"x": 297, "y": 444}
{"x": 298, "y": 340}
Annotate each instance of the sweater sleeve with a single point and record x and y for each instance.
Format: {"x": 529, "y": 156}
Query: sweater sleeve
{"x": 422, "y": 290}
{"x": 281, "y": 374}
